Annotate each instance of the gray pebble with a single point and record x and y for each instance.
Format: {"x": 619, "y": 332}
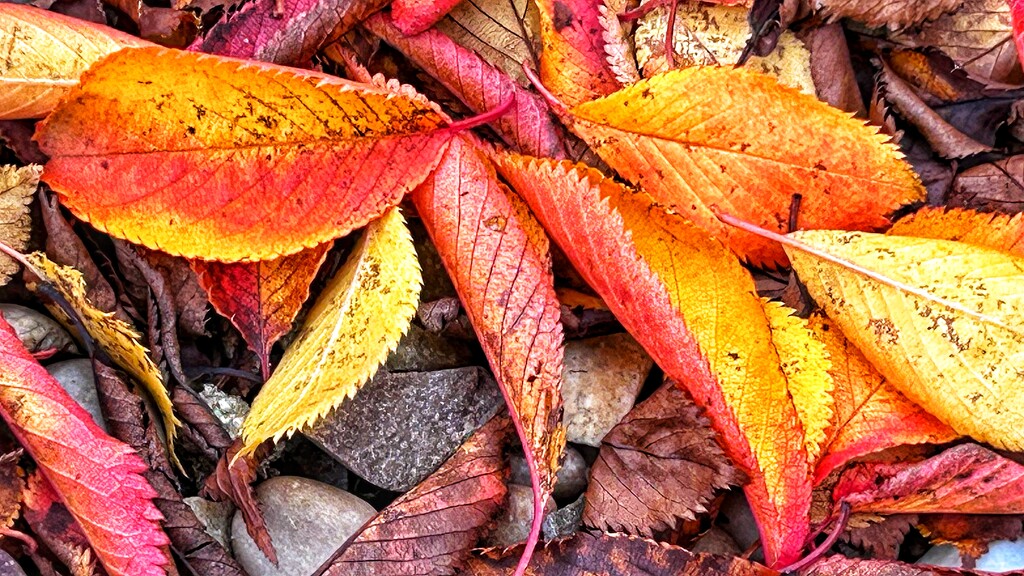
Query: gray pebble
{"x": 9, "y": 566}
{"x": 571, "y": 478}
{"x": 307, "y": 521}
{"x": 215, "y": 516}
{"x": 36, "y": 330}
{"x": 513, "y": 526}
{"x": 77, "y": 378}
{"x": 1002, "y": 556}
{"x": 421, "y": 351}
{"x": 716, "y": 541}
{"x": 565, "y": 521}
{"x": 739, "y": 520}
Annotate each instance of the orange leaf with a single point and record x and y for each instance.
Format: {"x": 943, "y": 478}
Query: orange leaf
{"x": 996, "y": 231}
{"x": 497, "y": 256}
{"x": 870, "y": 414}
{"x": 574, "y": 64}
{"x": 245, "y": 161}
{"x": 714, "y": 140}
{"x": 694, "y": 309}
{"x": 261, "y": 298}
{"x": 97, "y": 477}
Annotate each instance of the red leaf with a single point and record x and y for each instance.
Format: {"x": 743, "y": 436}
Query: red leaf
{"x": 97, "y": 477}
{"x": 497, "y": 256}
{"x": 232, "y": 480}
{"x": 965, "y": 479}
{"x": 574, "y": 65}
{"x": 415, "y": 16}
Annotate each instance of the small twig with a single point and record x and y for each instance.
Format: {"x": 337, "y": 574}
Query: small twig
{"x": 837, "y": 531}
{"x": 794, "y": 212}
{"x": 485, "y": 117}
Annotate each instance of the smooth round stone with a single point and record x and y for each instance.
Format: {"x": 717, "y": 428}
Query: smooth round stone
{"x": 36, "y": 330}
{"x": 601, "y": 378}
{"x": 215, "y": 516}
{"x": 9, "y": 566}
{"x": 513, "y": 525}
{"x": 738, "y": 521}
{"x": 307, "y": 521}
{"x": 1002, "y": 556}
{"x": 77, "y": 378}
{"x": 571, "y": 478}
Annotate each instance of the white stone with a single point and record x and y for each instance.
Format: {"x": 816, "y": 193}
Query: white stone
{"x": 1002, "y": 556}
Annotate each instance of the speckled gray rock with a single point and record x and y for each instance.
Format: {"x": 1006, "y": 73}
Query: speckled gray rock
{"x": 565, "y": 521}
{"x": 600, "y": 381}
{"x": 403, "y": 426}
{"x": 9, "y": 566}
{"x": 230, "y": 410}
{"x": 307, "y": 521}
{"x": 36, "y": 330}
{"x": 738, "y": 521}
{"x": 571, "y": 478}
{"x": 421, "y": 351}
{"x": 1002, "y": 556}
{"x": 77, "y": 378}
{"x": 716, "y": 541}
{"x": 513, "y": 526}
{"x": 215, "y": 516}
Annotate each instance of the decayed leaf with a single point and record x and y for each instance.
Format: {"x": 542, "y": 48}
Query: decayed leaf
{"x": 527, "y": 127}
{"x": 232, "y": 481}
{"x": 573, "y": 62}
{"x": 710, "y": 140}
{"x": 245, "y": 161}
{"x": 658, "y": 465}
{"x": 839, "y": 565}
{"x": 716, "y": 35}
{"x": 655, "y": 271}
{"x": 54, "y": 526}
{"x": 356, "y": 322}
{"x": 895, "y": 14}
{"x": 970, "y": 533}
{"x": 498, "y": 257}
{"x": 996, "y": 231}
{"x": 261, "y": 298}
{"x": 12, "y": 483}
{"x": 45, "y": 53}
{"x": 97, "y": 477}
{"x": 431, "y": 529}
{"x": 943, "y": 321}
{"x": 588, "y": 554}
{"x": 965, "y": 479}
{"x": 260, "y": 31}
{"x": 415, "y": 16}
{"x": 500, "y": 31}
{"x": 118, "y": 339}
{"x": 870, "y": 415}
{"x": 17, "y": 188}
{"x": 993, "y": 186}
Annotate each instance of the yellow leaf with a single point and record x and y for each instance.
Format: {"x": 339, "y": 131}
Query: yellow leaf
{"x": 943, "y": 321}
{"x": 45, "y": 53}
{"x": 17, "y": 187}
{"x": 806, "y": 364}
{"x": 115, "y": 337}
{"x": 356, "y": 322}
{"x": 996, "y": 231}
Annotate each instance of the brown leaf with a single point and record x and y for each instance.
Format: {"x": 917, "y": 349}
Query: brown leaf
{"x": 896, "y": 14}
{"x": 661, "y": 463}
{"x": 431, "y": 529}
{"x": 195, "y": 413}
{"x": 232, "y": 480}
{"x": 841, "y": 566}
{"x": 995, "y": 186}
{"x": 500, "y": 31}
{"x": 879, "y": 537}
{"x": 970, "y": 533}
{"x": 12, "y": 484}
{"x": 831, "y": 69}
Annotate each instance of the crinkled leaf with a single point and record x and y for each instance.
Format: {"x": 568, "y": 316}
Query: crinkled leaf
{"x": 45, "y": 53}
{"x": 839, "y": 565}
{"x": 356, "y": 322}
{"x": 573, "y": 62}
{"x": 500, "y": 31}
{"x": 709, "y": 140}
{"x": 97, "y": 477}
{"x": 996, "y": 231}
{"x": 245, "y": 161}
{"x": 895, "y": 14}
{"x": 12, "y": 483}
{"x": 17, "y": 188}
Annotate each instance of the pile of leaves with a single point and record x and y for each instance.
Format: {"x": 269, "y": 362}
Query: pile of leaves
{"x": 721, "y": 178}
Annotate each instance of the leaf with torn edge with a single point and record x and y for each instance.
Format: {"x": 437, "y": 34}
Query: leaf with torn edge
{"x": 97, "y": 477}
{"x": 895, "y": 14}
{"x": 709, "y": 140}
{"x": 46, "y": 52}
{"x": 246, "y": 161}
{"x": 17, "y": 188}
{"x": 356, "y": 322}
{"x": 573, "y": 62}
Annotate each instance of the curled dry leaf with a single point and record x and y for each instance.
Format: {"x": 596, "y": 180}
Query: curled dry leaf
{"x": 261, "y": 298}
{"x": 432, "y": 529}
{"x": 232, "y": 481}
{"x": 965, "y": 479}
{"x": 654, "y": 270}
{"x": 356, "y": 322}
{"x": 729, "y": 153}
{"x": 970, "y": 533}
{"x": 573, "y": 62}
{"x": 292, "y": 159}
{"x": 46, "y": 54}
{"x": 17, "y": 188}
{"x": 894, "y": 14}
{"x": 660, "y": 464}
{"x": 97, "y": 477}
{"x": 841, "y": 566}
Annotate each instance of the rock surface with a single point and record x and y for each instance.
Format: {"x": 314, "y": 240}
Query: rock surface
{"x": 230, "y": 410}
{"x": 571, "y": 478}
{"x": 600, "y": 382}
{"x": 307, "y": 521}
{"x": 1002, "y": 556}
{"x": 513, "y": 525}
{"x": 565, "y": 521}
{"x": 421, "y": 351}
{"x": 77, "y": 378}
{"x": 36, "y": 330}
{"x": 8, "y": 565}
{"x": 215, "y": 516}
{"x": 403, "y": 426}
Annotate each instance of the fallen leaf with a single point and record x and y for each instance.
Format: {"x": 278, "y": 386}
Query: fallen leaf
{"x": 292, "y": 159}
{"x": 965, "y": 479}
{"x": 356, "y": 322}
{"x": 997, "y": 231}
{"x": 841, "y": 566}
{"x": 993, "y": 186}
{"x": 660, "y": 464}
{"x": 870, "y": 414}
{"x": 497, "y": 255}
{"x": 700, "y": 155}
{"x": 261, "y": 298}
{"x": 431, "y": 529}
{"x": 12, "y": 484}
{"x": 17, "y": 188}
{"x": 970, "y": 533}
{"x": 573, "y": 62}
{"x": 588, "y": 554}
{"x": 895, "y": 14}
{"x": 260, "y": 31}
{"x": 232, "y": 481}
{"x": 880, "y": 537}
{"x": 96, "y": 476}
{"x": 500, "y": 31}
{"x": 51, "y": 522}
{"x": 528, "y": 127}
{"x": 46, "y": 53}
{"x": 655, "y": 271}
{"x": 415, "y": 16}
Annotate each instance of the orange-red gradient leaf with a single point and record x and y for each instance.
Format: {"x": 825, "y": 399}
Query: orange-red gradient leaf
{"x": 498, "y": 258}
{"x": 706, "y": 141}
{"x": 693, "y": 307}
{"x": 245, "y": 161}
{"x": 98, "y": 478}
{"x": 573, "y": 63}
